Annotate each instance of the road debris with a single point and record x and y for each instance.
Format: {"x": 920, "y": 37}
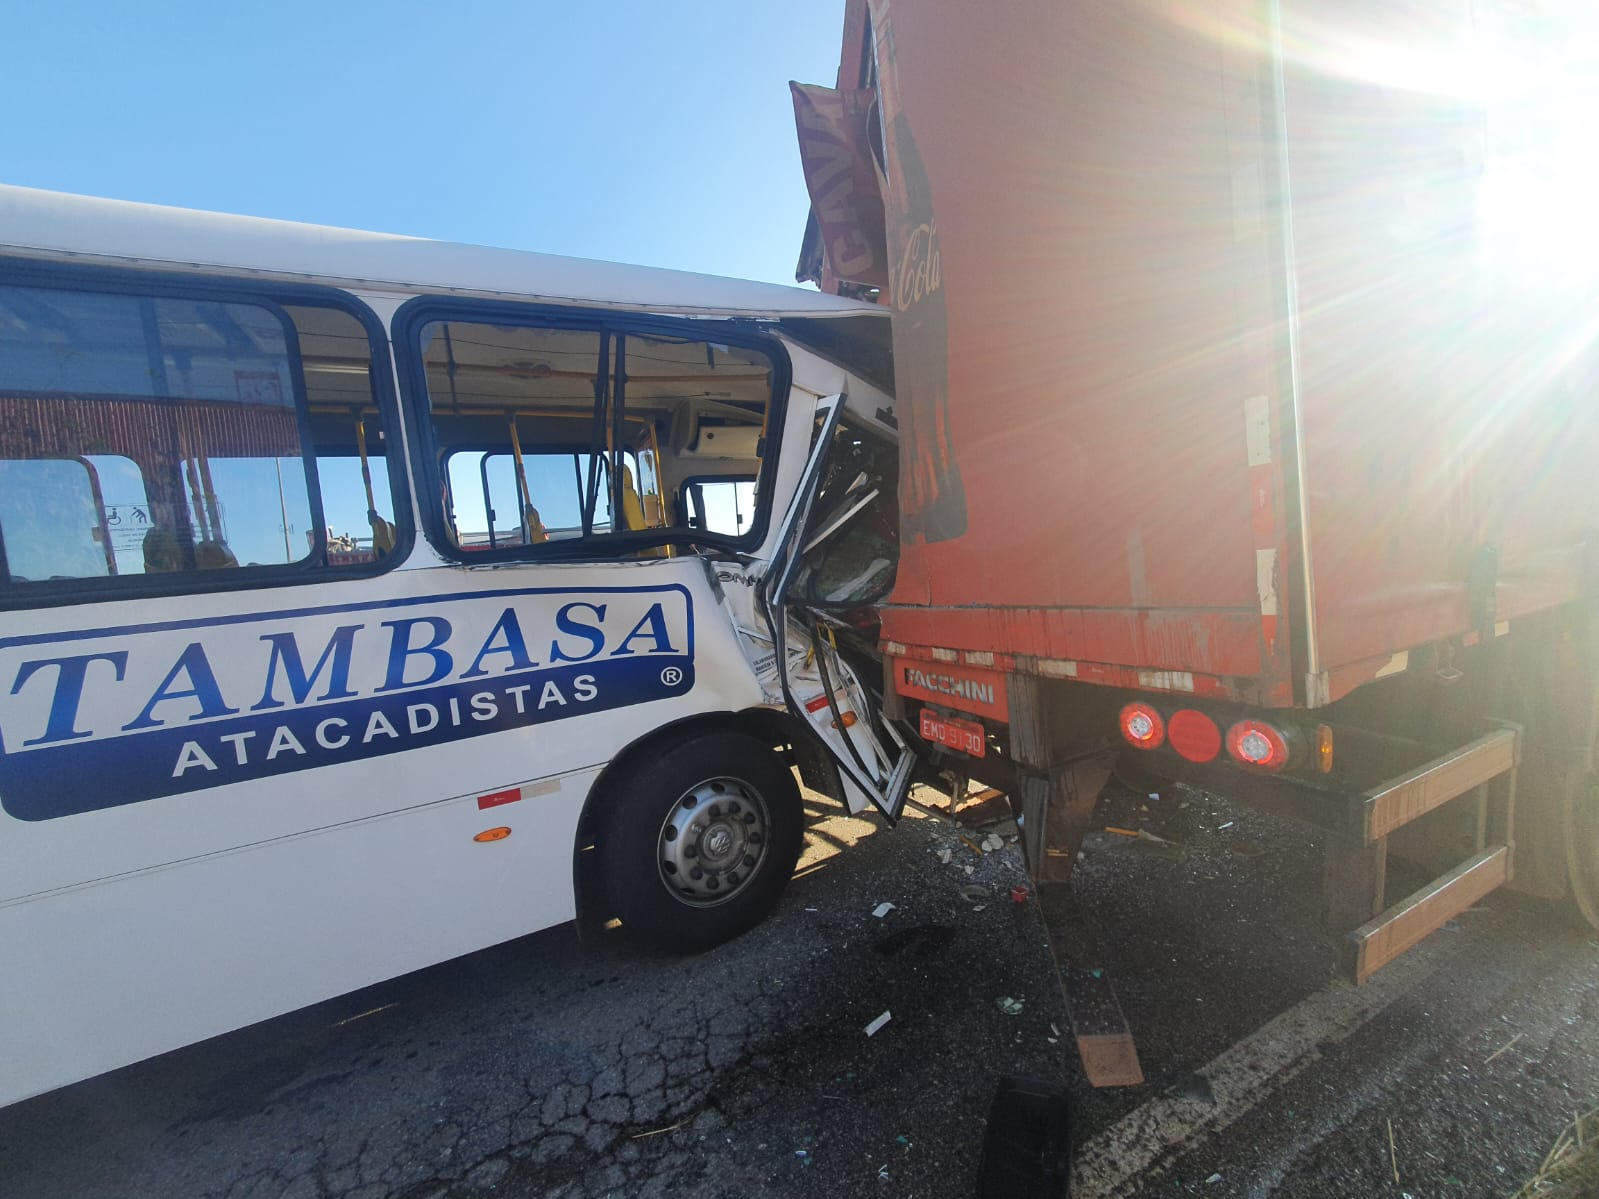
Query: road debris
{"x": 1214, "y": 1178}
{"x": 1011, "y": 1007}
{"x": 993, "y": 842}
{"x": 1019, "y": 894}
{"x": 882, "y": 909}
{"x": 1571, "y": 1168}
{"x": 1138, "y": 834}
{"x": 1503, "y": 1047}
{"x": 944, "y": 855}
{"x": 876, "y": 1025}
{"x": 974, "y": 893}
{"x": 1393, "y": 1152}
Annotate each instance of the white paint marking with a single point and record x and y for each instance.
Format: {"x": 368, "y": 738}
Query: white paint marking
{"x": 1266, "y": 581}
{"x": 1396, "y": 664}
{"x": 1166, "y": 680}
{"x": 1133, "y": 1153}
{"x": 1257, "y": 429}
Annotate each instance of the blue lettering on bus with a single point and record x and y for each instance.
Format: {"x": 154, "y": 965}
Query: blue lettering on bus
{"x": 236, "y": 703}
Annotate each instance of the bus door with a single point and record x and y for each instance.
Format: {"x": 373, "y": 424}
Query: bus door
{"x": 819, "y": 684}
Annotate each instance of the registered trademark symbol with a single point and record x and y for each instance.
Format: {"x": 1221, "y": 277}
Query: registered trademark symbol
{"x": 671, "y": 676}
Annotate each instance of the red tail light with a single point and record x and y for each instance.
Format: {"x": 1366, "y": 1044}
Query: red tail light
{"x": 1194, "y": 735}
{"x": 1142, "y": 726}
{"x": 1257, "y": 745}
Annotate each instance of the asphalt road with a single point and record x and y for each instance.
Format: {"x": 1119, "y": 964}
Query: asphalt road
{"x": 549, "y": 1068}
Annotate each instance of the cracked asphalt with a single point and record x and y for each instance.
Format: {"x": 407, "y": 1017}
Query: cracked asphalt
{"x": 548, "y": 1068}
{"x": 551, "y": 1068}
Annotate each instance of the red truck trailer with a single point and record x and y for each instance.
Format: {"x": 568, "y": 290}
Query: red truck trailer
{"x": 1246, "y": 382}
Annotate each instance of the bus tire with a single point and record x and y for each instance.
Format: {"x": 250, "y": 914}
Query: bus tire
{"x": 698, "y": 844}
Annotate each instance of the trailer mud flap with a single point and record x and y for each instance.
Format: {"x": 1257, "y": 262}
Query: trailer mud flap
{"x": 818, "y": 684}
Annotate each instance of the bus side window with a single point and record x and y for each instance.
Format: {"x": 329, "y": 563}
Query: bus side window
{"x": 547, "y": 436}
{"x": 53, "y": 527}
{"x": 180, "y": 435}
{"x": 352, "y": 445}
{"x": 720, "y": 505}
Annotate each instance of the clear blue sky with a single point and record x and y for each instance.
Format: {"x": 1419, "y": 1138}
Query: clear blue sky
{"x": 658, "y": 133}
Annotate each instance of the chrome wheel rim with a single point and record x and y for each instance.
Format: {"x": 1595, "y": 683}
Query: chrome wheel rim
{"x": 713, "y": 841}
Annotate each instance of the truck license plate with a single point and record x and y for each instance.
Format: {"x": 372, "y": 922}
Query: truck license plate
{"x": 964, "y": 735}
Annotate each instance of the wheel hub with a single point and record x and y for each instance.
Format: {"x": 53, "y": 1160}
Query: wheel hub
{"x": 713, "y": 841}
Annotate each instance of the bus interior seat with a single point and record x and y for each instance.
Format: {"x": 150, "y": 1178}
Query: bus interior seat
{"x": 632, "y": 506}
{"x": 163, "y": 552}
{"x": 383, "y": 533}
{"x": 537, "y": 534}
{"x": 213, "y": 553}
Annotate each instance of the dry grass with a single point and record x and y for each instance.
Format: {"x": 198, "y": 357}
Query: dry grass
{"x": 1571, "y": 1171}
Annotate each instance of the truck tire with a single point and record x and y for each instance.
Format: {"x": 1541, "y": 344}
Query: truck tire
{"x": 697, "y": 845}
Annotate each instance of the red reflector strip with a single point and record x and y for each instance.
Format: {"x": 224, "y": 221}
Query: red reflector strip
{"x": 496, "y": 798}
{"x": 817, "y": 704}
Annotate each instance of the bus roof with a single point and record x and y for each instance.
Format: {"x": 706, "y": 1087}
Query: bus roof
{"x": 118, "y": 232}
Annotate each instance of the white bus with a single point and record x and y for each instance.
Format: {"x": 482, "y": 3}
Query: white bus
{"x": 370, "y": 600}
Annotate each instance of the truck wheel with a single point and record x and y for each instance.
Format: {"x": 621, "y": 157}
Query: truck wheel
{"x": 1582, "y": 848}
{"x": 698, "y": 844}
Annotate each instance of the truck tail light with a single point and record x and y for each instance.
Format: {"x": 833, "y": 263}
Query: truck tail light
{"x": 1255, "y": 744}
{"x": 1142, "y": 726}
{"x": 1194, "y": 735}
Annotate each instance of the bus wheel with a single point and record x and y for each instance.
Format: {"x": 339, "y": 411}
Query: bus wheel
{"x": 1582, "y": 848}
{"x": 698, "y": 844}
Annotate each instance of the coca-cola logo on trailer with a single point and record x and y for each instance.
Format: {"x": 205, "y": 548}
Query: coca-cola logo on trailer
{"x": 918, "y": 267}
